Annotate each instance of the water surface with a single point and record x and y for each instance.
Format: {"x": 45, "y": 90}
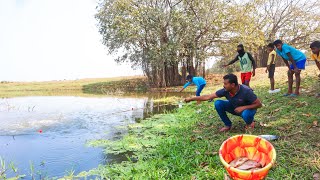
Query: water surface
{"x": 50, "y": 132}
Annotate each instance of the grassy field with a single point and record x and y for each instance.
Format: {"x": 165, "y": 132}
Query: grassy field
{"x": 184, "y": 144}
{"x": 49, "y": 88}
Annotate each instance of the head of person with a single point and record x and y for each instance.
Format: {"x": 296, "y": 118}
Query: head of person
{"x": 230, "y": 82}
{"x": 189, "y": 78}
{"x": 278, "y": 43}
{"x": 270, "y": 47}
{"x": 240, "y": 49}
{"x": 315, "y": 47}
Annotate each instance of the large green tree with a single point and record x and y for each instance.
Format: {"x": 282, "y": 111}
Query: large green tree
{"x": 162, "y": 35}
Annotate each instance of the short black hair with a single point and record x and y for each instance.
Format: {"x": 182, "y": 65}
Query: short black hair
{"x": 278, "y": 41}
{"x": 315, "y": 44}
{"x": 189, "y": 77}
{"x": 241, "y": 46}
{"x": 231, "y": 78}
{"x": 270, "y": 45}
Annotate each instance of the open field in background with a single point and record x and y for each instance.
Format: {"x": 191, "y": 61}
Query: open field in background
{"x": 121, "y": 85}
{"x": 52, "y": 88}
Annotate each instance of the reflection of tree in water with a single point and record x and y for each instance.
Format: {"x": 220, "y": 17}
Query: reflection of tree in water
{"x": 150, "y": 108}
{"x": 117, "y": 158}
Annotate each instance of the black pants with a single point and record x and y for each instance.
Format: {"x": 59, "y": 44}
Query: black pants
{"x": 272, "y": 68}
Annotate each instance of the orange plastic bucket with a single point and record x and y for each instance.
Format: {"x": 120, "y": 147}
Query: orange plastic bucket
{"x": 252, "y": 147}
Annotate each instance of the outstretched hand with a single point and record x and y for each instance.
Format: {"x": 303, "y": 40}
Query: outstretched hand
{"x": 187, "y": 100}
{"x": 296, "y": 70}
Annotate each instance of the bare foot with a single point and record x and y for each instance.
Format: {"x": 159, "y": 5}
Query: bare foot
{"x": 225, "y": 129}
{"x": 250, "y": 126}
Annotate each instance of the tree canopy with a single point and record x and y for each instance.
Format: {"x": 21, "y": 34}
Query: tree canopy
{"x": 170, "y": 38}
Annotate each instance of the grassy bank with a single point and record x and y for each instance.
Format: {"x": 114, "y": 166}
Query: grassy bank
{"x": 184, "y": 144}
{"x": 117, "y": 87}
{"x": 65, "y": 87}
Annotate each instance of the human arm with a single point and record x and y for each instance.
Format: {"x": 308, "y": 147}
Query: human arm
{"x": 202, "y": 98}
{"x": 185, "y": 86}
{"x": 286, "y": 62}
{"x": 318, "y": 64}
{"x": 253, "y": 64}
{"x": 272, "y": 59}
{"x": 231, "y": 62}
{"x": 255, "y": 105}
{"x": 271, "y": 62}
{"x": 293, "y": 62}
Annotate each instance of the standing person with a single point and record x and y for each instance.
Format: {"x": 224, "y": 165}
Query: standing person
{"x": 271, "y": 67}
{"x": 297, "y": 63}
{"x": 241, "y": 101}
{"x": 198, "y": 81}
{"x": 315, "y": 56}
{"x": 247, "y": 64}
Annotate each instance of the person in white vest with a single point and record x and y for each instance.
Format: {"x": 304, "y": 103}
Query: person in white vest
{"x": 247, "y": 65}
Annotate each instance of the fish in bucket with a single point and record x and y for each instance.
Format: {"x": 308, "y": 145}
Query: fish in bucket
{"x": 247, "y": 157}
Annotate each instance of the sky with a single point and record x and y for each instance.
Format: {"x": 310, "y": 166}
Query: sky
{"x": 43, "y": 40}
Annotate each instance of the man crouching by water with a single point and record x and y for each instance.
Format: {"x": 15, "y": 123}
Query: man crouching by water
{"x": 241, "y": 101}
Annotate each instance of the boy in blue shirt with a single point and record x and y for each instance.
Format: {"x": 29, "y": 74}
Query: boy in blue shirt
{"x": 241, "y": 101}
{"x": 297, "y": 63}
{"x": 198, "y": 81}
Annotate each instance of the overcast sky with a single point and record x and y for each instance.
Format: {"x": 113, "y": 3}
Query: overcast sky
{"x": 53, "y": 40}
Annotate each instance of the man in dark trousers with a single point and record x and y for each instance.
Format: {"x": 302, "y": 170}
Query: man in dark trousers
{"x": 241, "y": 101}
{"x": 247, "y": 64}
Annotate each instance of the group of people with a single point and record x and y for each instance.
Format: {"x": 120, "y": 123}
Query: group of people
{"x": 240, "y": 98}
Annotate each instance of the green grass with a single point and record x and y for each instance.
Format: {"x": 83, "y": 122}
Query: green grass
{"x": 117, "y": 87}
{"x": 184, "y": 144}
{"x": 53, "y": 88}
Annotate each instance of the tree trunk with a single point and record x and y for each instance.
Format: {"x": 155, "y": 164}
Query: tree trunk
{"x": 204, "y": 69}
{"x": 184, "y": 73}
{"x": 172, "y": 74}
{"x": 176, "y": 75}
{"x": 190, "y": 67}
{"x": 197, "y": 69}
{"x": 262, "y": 56}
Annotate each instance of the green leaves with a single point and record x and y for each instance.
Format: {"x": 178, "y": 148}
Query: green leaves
{"x": 158, "y": 35}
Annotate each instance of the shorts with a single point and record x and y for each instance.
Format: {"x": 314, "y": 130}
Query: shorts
{"x": 245, "y": 76}
{"x": 199, "y": 89}
{"x": 300, "y": 64}
{"x": 271, "y": 70}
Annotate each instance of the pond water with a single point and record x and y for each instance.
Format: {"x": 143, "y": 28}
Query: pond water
{"x": 49, "y": 133}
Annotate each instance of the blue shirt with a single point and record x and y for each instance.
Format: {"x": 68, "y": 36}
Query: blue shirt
{"x": 296, "y": 54}
{"x": 243, "y": 97}
{"x": 198, "y": 81}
